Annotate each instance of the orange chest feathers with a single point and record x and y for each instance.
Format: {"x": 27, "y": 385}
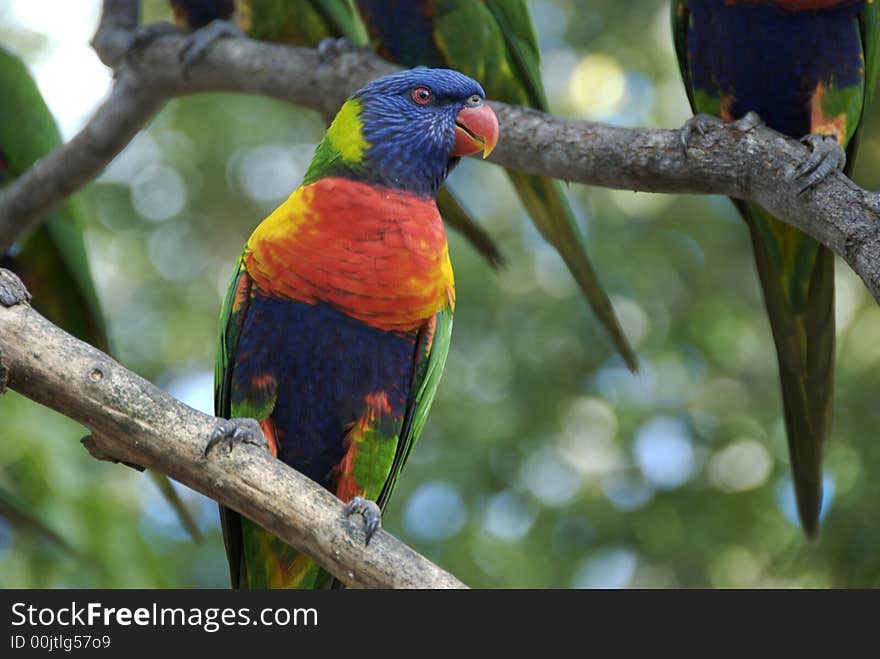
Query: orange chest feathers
{"x": 374, "y": 254}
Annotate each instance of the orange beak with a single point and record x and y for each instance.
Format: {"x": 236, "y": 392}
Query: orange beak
{"x": 476, "y": 129}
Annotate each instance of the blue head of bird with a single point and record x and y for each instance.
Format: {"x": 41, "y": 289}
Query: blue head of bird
{"x": 408, "y": 129}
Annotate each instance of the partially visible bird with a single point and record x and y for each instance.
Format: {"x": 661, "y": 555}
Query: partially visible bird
{"x": 309, "y": 23}
{"x": 52, "y": 260}
{"x": 292, "y": 22}
{"x": 337, "y": 323}
{"x": 807, "y": 68}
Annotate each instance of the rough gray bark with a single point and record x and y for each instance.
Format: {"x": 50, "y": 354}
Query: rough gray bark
{"x": 755, "y": 164}
{"x": 136, "y": 423}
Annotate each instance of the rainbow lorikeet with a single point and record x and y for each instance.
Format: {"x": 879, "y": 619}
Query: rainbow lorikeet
{"x": 495, "y": 42}
{"x": 308, "y": 23}
{"x": 807, "y": 68}
{"x": 52, "y": 260}
{"x": 337, "y": 323}
{"x": 491, "y": 40}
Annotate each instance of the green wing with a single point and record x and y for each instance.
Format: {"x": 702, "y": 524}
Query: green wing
{"x": 432, "y": 348}
{"x": 303, "y": 22}
{"x": 502, "y": 35}
{"x": 51, "y": 261}
{"x": 681, "y": 16}
{"x": 232, "y": 315}
{"x": 869, "y": 21}
{"x": 869, "y": 24}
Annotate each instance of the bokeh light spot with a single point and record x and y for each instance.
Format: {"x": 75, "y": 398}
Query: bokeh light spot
{"x": 435, "y": 511}
{"x": 588, "y": 438}
{"x": 158, "y": 193}
{"x": 550, "y": 478}
{"x": 508, "y": 517}
{"x": 269, "y": 173}
{"x": 664, "y": 452}
{"x": 610, "y": 568}
{"x": 597, "y": 85}
{"x": 743, "y": 465}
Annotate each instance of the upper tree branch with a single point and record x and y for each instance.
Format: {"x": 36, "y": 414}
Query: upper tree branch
{"x": 134, "y": 422}
{"x": 755, "y": 165}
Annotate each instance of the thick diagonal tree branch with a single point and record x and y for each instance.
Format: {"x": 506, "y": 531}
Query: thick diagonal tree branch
{"x": 756, "y": 164}
{"x": 134, "y": 422}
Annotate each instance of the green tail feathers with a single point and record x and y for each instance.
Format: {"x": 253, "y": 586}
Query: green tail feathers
{"x": 17, "y": 514}
{"x": 803, "y": 331}
{"x": 173, "y": 499}
{"x": 456, "y": 216}
{"x": 551, "y": 214}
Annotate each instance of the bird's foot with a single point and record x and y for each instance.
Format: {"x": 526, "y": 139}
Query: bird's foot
{"x": 331, "y": 47}
{"x": 199, "y": 41}
{"x": 369, "y": 511}
{"x": 827, "y": 158}
{"x": 144, "y": 35}
{"x": 233, "y": 432}
{"x": 699, "y": 123}
{"x": 12, "y": 290}
{"x": 747, "y": 122}
{"x": 702, "y": 123}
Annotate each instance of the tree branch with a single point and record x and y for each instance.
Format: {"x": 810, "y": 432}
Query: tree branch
{"x": 136, "y": 423}
{"x": 119, "y": 20}
{"x": 755, "y": 164}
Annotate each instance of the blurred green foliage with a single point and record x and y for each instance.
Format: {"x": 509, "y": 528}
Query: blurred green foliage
{"x": 544, "y": 463}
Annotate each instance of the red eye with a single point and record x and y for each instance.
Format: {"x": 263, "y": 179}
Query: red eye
{"x": 422, "y": 95}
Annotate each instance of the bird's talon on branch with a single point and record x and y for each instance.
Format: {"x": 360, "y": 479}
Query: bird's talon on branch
{"x": 369, "y": 511}
{"x": 827, "y": 157}
{"x": 237, "y": 431}
{"x": 12, "y": 290}
{"x": 699, "y": 123}
{"x": 144, "y": 35}
{"x": 749, "y": 121}
{"x": 199, "y": 41}
{"x": 331, "y": 47}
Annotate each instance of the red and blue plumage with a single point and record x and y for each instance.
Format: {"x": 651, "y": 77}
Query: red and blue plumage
{"x": 338, "y": 319}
